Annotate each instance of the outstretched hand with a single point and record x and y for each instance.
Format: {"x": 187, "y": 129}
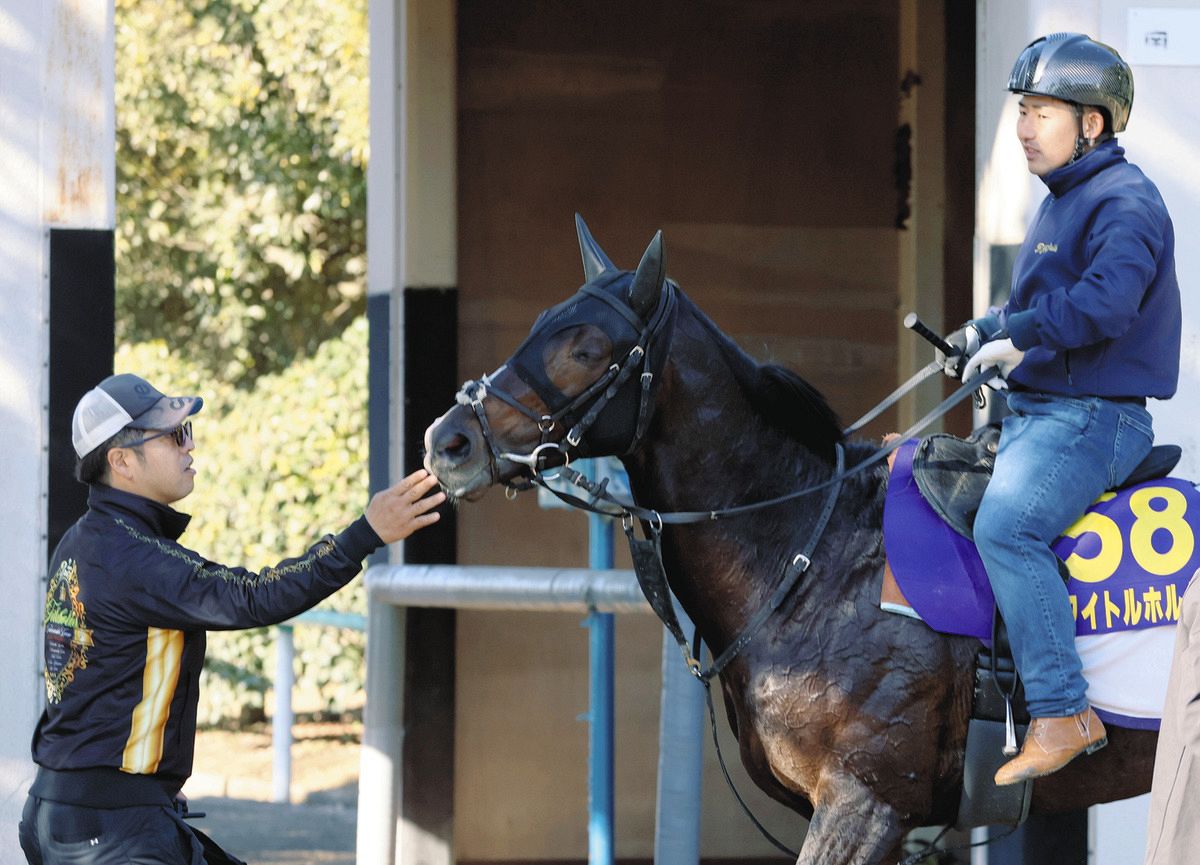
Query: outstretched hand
{"x": 400, "y": 510}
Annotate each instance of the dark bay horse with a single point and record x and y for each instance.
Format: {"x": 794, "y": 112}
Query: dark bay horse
{"x": 853, "y": 717}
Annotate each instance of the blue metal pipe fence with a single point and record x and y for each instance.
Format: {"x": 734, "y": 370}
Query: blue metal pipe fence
{"x": 601, "y": 708}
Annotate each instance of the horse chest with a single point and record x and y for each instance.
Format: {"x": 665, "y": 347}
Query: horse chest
{"x": 795, "y": 719}
{"x": 811, "y": 720}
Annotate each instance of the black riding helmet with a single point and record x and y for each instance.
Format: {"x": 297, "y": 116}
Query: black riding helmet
{"x": 1077, "y": 69}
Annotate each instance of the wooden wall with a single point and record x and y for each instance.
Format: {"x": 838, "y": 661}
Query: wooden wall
{"x": 759, "y": 136}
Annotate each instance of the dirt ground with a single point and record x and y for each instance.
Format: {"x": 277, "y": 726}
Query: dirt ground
{"x": 232, "y": 784}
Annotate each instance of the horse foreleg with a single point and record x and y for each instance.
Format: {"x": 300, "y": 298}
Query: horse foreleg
{"x": 851, "y": 826}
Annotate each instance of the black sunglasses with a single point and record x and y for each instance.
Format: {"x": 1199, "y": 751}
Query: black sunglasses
{"x": 181, "y": 434}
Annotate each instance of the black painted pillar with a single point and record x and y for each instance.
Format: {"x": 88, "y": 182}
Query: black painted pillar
{"x": 413, "y": 723}
{"x": 82, "y": 297}
{"x": 430, "y": 381}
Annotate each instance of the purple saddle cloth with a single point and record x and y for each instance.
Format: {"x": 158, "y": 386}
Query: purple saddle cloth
{"x": 1130, "y": 557}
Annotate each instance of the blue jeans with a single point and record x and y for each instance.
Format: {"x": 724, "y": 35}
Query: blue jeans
{"x": 1057, "y": 455}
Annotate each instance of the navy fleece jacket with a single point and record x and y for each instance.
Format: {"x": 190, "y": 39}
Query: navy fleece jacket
{"x": 1095, "y": 302}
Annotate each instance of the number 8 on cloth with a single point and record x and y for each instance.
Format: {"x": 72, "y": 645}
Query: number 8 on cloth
{"x": 1131, "y": 556}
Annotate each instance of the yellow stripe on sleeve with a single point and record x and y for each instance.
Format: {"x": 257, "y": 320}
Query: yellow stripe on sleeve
{"x": 164, "y": 656}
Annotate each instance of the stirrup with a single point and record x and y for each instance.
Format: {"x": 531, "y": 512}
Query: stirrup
{"x": 1010, "y": 729}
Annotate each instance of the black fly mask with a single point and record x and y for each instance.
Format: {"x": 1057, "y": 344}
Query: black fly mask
{"x": 637, "y": 313}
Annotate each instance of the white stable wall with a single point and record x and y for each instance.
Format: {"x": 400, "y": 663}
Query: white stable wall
{"x": 57, "y": 153}
{"x": 1162, "y": 138}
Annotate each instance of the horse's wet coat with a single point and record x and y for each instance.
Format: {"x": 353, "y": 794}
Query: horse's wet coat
{"x": 851, "y": 716}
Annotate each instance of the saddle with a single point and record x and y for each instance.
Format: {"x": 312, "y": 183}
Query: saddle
{"x": 952, "y": 473}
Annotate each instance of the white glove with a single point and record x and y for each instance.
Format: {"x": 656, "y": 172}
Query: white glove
{"x": 966, "y": 340}
{"x": 999, "y": 353}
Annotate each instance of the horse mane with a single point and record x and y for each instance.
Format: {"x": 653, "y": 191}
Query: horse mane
{"x": 780, "y": 396}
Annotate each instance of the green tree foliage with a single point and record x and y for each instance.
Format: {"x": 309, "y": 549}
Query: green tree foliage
{"x": 241, "y": 205}
{"x": 241, "y": 151}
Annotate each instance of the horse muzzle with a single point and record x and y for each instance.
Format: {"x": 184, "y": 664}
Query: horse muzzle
{"x": 458, "y": 455}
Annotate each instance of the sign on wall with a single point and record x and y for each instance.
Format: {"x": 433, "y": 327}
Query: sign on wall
{"x": 1163, "y": 37}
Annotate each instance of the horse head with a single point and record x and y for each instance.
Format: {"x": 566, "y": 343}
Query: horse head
{"x": 581, "y": 384}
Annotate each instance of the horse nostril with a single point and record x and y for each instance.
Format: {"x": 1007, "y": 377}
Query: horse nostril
{"x": 456, "y": 449}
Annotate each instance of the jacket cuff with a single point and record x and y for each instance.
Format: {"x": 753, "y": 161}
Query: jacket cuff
{"x": 1022, "y": 330}
{"x": 358, "y": 540}
{"x": 987, "y": 325}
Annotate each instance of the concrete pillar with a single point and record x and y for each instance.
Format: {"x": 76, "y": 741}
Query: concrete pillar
{"x": 412, "y": 248}
{"x": 56, "y": 146}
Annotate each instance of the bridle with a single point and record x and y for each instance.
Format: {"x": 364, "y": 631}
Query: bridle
{"x": 581, "y": 412}
{"x": 552, "y": 454}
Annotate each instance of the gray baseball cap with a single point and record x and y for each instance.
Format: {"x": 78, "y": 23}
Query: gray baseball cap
{"x": 126, "y": 400}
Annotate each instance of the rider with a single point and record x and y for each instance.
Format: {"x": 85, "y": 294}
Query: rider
{"x": 1090, "y": 330}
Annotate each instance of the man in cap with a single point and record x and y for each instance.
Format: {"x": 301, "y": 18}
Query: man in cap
{"x": 1090, "y": 330}
{"x": 127, "y": 608}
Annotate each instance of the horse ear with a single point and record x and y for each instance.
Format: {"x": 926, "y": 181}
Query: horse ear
{"x": 647, "y": 282}
{"x": 595, "y": 262}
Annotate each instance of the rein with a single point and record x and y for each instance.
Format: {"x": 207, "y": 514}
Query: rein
{"x": 647, "y": 553}
{"x": 597, "y": 491}
{"x": 894, "y": 397}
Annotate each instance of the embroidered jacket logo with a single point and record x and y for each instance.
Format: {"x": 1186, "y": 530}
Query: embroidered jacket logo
{"x": 67, "y": 636}
{"x": 1043, "y": 248}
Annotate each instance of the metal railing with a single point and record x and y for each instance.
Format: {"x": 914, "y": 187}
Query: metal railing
{"x": 596, "y": 592}
{"x": 284, "y": 717}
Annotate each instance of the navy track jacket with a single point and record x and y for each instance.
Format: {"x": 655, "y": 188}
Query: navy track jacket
{"x": 1095, "y": 303}
{"x": 127, "y": 608}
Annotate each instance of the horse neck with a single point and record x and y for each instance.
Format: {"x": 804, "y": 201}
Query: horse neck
{"x": 708, "y": 449}
{"x": 705, "y": 426}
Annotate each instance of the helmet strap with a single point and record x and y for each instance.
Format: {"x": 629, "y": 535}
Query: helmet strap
{"x": 1083, "y": 144}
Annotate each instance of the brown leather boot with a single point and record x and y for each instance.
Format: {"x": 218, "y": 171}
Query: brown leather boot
{"x": 1052, "y": 743}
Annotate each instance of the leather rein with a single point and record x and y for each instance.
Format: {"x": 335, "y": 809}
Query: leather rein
{"x": 647, "y": 553}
